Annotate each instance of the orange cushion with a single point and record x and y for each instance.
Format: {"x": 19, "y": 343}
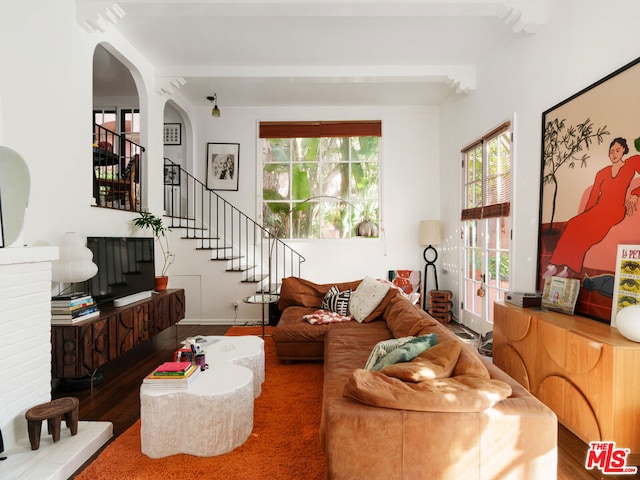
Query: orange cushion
{"x": 435, "y": 362}
{"x": 454, "y": 394}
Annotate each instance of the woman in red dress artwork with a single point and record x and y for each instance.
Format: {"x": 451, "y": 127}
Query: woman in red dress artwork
{"x": 606, "y": 207}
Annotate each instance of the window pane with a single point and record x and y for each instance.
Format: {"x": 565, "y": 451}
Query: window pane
{"x": 364, "y": 149}
{"x": 276, "y": 150}
{"x": 275, "y": 182}
{"x": 364, "y": 181}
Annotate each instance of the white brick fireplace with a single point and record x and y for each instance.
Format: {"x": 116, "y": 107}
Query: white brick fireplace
{"x": 25, "y": 371}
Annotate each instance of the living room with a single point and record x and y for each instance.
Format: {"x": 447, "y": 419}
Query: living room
{"x": 46, "y": 100}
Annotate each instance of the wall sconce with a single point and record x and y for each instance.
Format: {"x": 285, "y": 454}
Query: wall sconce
{"x": 430, "y": 235}
{"x": 215, "y": 112}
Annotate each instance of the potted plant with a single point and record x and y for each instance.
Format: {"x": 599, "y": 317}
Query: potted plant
{"x": 147, "y": 220}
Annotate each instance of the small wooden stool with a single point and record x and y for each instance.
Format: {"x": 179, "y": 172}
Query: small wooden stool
{"x": 52, "y": 412}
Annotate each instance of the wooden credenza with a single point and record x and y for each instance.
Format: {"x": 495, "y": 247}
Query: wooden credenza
{"x": 78, "y": 349}
{"x": 584, "y": 370}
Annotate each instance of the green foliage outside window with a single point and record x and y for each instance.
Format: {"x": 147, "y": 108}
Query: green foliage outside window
{"x": 319, "y": 187}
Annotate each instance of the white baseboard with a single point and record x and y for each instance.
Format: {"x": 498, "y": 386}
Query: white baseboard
{"x": 220, "y": 321}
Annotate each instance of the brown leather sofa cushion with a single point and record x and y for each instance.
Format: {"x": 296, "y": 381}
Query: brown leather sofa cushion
{"x": 455, "y": 394}
{"x": 435, "y": 362}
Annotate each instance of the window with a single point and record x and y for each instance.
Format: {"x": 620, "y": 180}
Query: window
{"x": 486, "y": 224}
{"x": 319, "y": 179}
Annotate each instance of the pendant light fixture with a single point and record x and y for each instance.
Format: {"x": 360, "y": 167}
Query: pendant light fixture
{"x": 215, "y": 112}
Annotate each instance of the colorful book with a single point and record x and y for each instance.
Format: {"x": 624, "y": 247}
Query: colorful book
{"x": 66, "y": 320}
{"x": 173, "y": 367}
{"x": 178, "y": 383}
{"x": 76, "y": 313}
{"x": 186, "y": 373}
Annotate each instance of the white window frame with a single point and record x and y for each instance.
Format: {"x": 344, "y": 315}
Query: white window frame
{"x": 476, "y": 311}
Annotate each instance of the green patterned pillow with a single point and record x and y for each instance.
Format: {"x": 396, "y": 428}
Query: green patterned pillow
{"x": 407, "y": 351}
{"x": 383, "y": 348}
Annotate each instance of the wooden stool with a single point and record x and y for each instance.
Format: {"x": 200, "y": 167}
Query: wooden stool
{"x": 52, "y": 412}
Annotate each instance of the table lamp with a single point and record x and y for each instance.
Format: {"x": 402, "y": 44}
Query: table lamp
{"x": 429, "y": 236}
{"x": 76, "y": 261}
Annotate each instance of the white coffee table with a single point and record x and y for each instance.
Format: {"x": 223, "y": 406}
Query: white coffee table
{"x": 246, "y": 351}
{"x": 215, "y": 414}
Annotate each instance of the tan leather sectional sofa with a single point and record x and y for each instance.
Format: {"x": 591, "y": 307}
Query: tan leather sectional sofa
{"x": 447, "y": 432}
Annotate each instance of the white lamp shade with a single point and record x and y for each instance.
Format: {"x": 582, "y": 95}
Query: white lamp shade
{"x": 75, "y": 263}
{"x": 430, "y": 232}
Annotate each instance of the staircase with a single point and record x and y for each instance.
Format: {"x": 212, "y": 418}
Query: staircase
{"x": 225, "y": 233}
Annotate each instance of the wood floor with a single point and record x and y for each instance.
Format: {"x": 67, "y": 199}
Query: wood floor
{"x": 116, "y": 399}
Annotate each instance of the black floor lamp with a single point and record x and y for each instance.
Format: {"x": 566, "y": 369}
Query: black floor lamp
{"x": 429, "y": 236}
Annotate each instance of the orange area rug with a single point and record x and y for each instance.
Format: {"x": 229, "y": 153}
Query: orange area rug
{"x": 284, "y": 443}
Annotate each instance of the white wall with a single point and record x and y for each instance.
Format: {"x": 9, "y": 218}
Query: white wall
{"x": 410, "y": 192}
{"x": 583, "y": 42}
{"x": 45, "y": 105}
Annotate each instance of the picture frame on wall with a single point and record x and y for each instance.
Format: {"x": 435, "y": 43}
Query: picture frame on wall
{"x": 172, "y": 175}
{"x": 590, "y": 187}
{"x": 626, "y": 290}
{"x": 223, "y": 163}
{"x": 172, "y": 134}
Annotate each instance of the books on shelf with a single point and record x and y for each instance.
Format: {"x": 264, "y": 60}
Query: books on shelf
{"x": 161, "y": 378}
{"x": 69, "y": 309}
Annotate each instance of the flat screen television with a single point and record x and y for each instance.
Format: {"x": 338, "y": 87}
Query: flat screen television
{"x": 126, "y": 268}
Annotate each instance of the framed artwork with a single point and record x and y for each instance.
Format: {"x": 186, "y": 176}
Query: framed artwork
{"x": 560, "y": 294}
{"x": 223, "y": 161}
{"x": 172, "y": 175}
{"x": 590, "y": 187}
{"x": 626, "y": 290}
{"x": 172, "y": 134}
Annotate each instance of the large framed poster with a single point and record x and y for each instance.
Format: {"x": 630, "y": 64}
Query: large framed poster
{"x": 590, "y": 187}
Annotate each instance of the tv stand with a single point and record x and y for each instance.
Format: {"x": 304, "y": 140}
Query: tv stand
{"x": 81, "y": 348}
{"x": 129, "y": 299}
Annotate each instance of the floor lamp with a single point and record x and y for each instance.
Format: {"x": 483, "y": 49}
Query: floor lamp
{"x": 429, "y": 236}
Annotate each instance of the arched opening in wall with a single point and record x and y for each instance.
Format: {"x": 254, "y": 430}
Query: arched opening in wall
{"x": 178, "y": 159}
{"x": 118, "y": 156}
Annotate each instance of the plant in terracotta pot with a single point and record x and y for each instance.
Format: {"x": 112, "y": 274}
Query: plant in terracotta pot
{"x": 147, "y": 220}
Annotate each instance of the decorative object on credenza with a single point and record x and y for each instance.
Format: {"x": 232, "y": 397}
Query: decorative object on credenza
{"x": 147, "y": 220}
{"x": 628, "y": 322}
{"x": 626, "y": 288}
{"x": 560, "y": 294}
{"x": 15, "y": 184}
{"x": 215, "y": 111}
{"x": 223, "y": 162}
{"x": 75, "y": 263}
{"x": 440, "y": 305}
{"x": 172, "y": 134}
{"x": 430, "y": 235}
{"x": 587, "y": 180}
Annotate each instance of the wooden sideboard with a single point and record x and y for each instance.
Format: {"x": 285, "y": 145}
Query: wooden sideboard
{"x": 582, "y": 369}
{"x": 79, "y": 349}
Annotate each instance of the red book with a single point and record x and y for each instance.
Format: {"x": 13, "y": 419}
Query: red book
{"x": 173, "y": 367}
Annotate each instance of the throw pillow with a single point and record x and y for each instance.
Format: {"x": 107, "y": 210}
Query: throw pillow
{"x": 323, "y": 317}
{"x": 406, "y": 352}
{"x": 455, "y": 394}
{"x": 435, "y": 362}
{"x": 383, "y": 348}
{"x": 367, "y": 297}
{"x": 336, "y": 301}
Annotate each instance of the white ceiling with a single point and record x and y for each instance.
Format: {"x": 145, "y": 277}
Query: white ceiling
{"x": 311, "y": 52}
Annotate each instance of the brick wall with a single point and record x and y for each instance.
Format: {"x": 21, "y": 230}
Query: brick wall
{"x": 25, "y": 335}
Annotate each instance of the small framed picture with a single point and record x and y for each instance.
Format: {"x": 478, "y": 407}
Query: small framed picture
{"x": 560, "y": 294}
{"x": 172, "y": 134}
{"x": 172, "y": 175}
{"x": 626, "y": 289}
{"x": 223, "y": 161}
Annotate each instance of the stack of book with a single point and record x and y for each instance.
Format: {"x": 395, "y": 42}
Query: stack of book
{"x": 173, "y": 375}
{"x": 72, "y": 308}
